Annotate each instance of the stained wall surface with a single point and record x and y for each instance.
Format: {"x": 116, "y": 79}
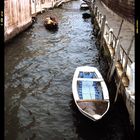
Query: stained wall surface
{"x": 17, "y": 16}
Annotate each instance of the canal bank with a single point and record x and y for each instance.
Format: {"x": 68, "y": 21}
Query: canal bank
{"x": 116, "y": 38}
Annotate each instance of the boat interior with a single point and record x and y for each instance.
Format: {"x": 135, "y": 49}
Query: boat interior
{"x": 89, "y": 89}
{"x": 90, "y": 93}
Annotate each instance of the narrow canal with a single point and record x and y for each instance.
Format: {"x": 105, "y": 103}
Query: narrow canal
{"x": 39, "y": 66}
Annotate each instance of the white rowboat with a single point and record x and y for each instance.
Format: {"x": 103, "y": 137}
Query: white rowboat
{"x": 90, "y": 92}
{"x": 84, "y": 6}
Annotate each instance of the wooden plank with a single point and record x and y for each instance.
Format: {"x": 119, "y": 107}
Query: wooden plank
{"x": 89, "y": 79}
{"x": 91, "y": 100}
{"x": 119, "y": 70}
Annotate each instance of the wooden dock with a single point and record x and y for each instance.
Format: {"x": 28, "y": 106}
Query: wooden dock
{"x": 116, "y": 36}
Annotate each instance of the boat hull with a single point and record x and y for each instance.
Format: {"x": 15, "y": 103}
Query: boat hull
{"x": 84, "y": 6}
{"x": 50, "y": 24}
{"x": 90, "y": 92}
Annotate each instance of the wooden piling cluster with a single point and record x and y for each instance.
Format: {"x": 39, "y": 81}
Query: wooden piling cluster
{"x": 120, "y": 64}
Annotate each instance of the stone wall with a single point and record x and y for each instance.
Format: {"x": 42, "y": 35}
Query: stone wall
{"x": 124, "y": 8}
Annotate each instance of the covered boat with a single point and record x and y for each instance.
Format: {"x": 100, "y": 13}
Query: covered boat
{"x": 90, "y": 92}
{"x": 50, "y": 23}
{"x": 84, "y": 6}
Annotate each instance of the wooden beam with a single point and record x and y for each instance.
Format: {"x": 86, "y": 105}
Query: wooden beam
{"x": 89, "y": 79}
{"x": 91, "y": 100}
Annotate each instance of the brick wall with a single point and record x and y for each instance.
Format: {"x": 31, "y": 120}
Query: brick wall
{"x": 124, "y": 8}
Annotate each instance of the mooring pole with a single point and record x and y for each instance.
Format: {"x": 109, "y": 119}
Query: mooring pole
{"x": 120, "y": 28}
{"x": 112, "y": 66}
{"x": 115, "y": 59}
{"x": 124, "y": 69}
{"x": 35, "y": 6}
{"x": 102, "y": 29}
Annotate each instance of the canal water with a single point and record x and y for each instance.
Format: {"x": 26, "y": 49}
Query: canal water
{"x": 39, "y": 67}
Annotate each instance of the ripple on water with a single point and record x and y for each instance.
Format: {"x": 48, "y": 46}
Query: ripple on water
{"x": 39, "y": 103}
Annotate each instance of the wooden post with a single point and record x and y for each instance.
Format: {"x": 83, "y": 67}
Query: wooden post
{"x": 97, "y": 15}
{"x": 110, "y": 36}
{"x": 100, "y": 19}
{"x": 117, "y": 51}
{"x": 106, "y": 31}
{"x": 35, "y": 6}
{"x": 102, "y": 29}
{"x": 52, "y": 3}
{"x": 105, "y": 28}
{"x": 40, "y": 4}
{"x": 120, "y": 28}
{"x": 124, "y": 69}
{"x": 92, "y": 9}
{"x": 119, "y": 31}
{"x": 112, "y": 67}
{"x": 132, "y": 79}
{"x": 96, "y": 9}
{"x": 92, "y": 5}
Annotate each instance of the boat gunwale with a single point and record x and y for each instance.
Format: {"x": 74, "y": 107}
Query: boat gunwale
{"x": 91, "y": 100}
{"x": 90, "y": 79}
{"x": 75, "y": 92}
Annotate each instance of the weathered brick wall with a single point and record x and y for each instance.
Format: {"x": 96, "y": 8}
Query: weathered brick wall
{"x": 124, "y": 8}
{"x": 17, "y": 14}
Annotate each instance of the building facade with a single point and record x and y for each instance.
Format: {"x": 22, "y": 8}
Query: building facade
{"x": 17, "y": 16}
